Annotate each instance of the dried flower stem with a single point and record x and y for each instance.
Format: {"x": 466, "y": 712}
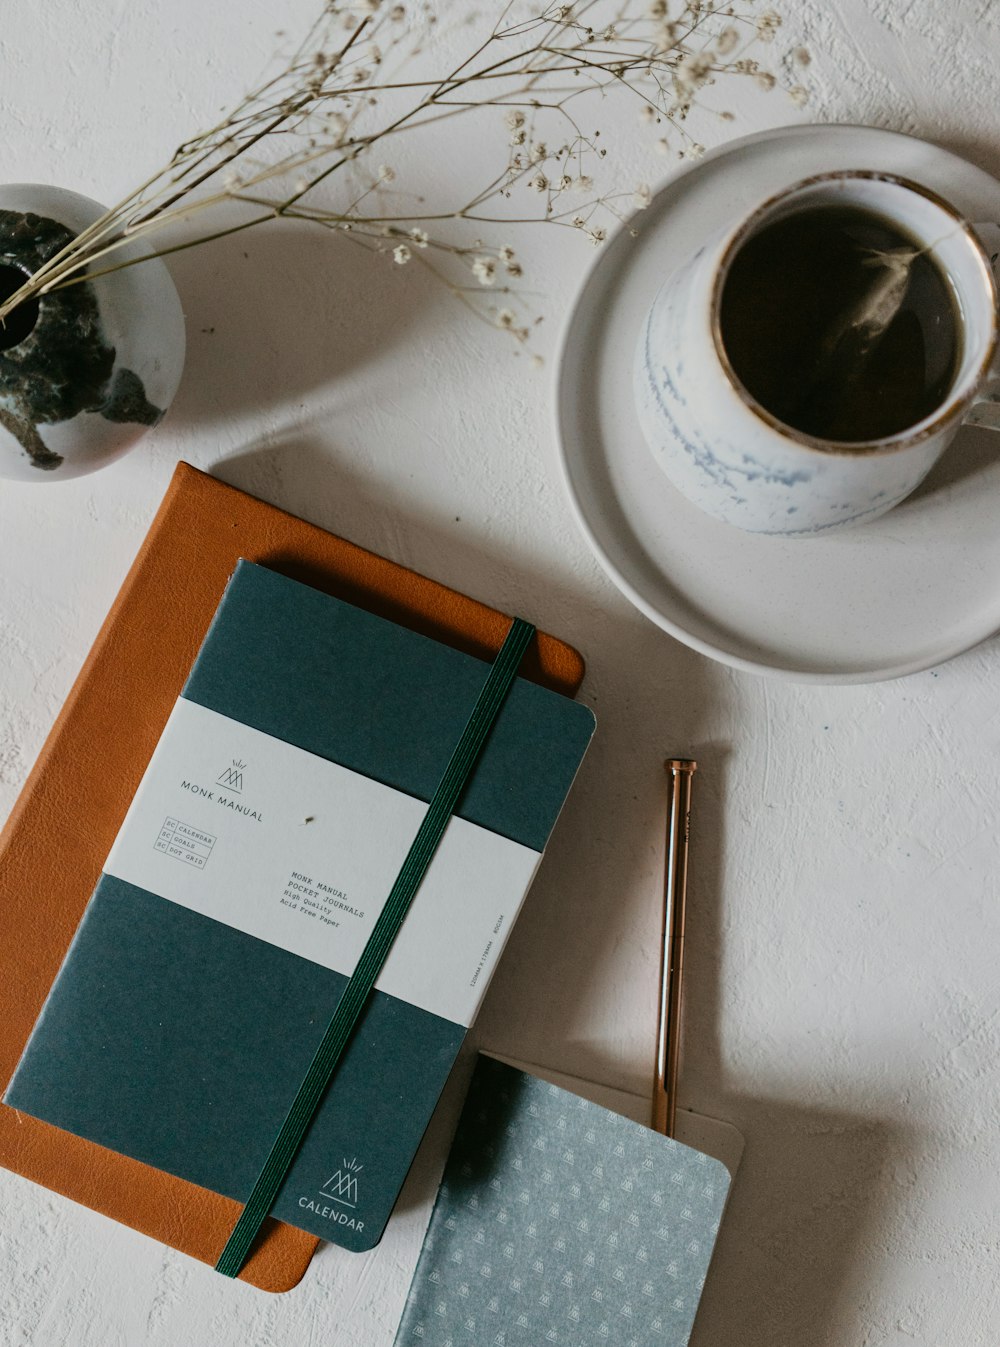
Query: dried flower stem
{"x": 356, "y": 81}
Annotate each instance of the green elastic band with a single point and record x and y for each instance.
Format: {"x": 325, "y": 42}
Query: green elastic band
{"x": 355, "y": 994}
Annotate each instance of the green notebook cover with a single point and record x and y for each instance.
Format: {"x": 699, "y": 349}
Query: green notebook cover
{"x": 257, "y": 852}
{"x": 560, "y": 1222}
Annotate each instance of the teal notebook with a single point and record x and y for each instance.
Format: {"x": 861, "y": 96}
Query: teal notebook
{"x": 253, "y": 863}
{"x": 560, "y": 1222}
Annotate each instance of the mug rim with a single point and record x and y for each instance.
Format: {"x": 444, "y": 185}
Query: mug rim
{"x": 952, "y": 409}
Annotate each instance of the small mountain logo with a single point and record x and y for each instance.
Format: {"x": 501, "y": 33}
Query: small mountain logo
{"x": 342, "y": 1186}
{"x": 232, "y": 777}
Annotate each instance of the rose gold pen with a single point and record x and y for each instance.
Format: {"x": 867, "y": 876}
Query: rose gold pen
{"x": 679, "y": 774}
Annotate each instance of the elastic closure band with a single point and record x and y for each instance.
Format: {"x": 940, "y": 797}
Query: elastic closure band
{"x": 352, "y": 1001}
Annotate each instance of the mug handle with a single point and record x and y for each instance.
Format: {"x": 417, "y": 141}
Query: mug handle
{"x": 985, "y": 408}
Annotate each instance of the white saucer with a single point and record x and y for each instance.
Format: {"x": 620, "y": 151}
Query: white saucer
{"x": 888, "y": 598}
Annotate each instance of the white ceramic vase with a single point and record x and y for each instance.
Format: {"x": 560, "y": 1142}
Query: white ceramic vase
{"x": 86, "y": 370}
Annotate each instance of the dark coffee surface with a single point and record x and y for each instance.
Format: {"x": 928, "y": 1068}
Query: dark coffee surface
{"x": 839, "y": 326}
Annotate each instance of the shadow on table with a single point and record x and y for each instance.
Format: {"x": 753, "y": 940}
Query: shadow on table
{"x": 807, "y": 1216}
{"x": 815, "y": 1182}
{"x": 281, "y": 310}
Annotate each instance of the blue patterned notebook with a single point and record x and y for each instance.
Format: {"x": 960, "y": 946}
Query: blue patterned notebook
{"x": 561, "y": 1222}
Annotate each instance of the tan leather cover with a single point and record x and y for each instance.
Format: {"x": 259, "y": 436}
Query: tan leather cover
{"x": 63, "y": 824}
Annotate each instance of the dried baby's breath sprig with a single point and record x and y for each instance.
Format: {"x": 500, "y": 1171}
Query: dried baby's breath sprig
{"x": 485, "y": 270}
{"x": 768, "y": 24}
{"x": 301, "y": 145}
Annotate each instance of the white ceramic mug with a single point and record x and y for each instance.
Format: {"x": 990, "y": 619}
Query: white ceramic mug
{"x": 738, "y": 462}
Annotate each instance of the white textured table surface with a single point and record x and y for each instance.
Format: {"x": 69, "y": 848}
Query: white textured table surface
{"x": 843, "y": 998}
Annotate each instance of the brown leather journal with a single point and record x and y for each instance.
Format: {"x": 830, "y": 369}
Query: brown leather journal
{"x": 76, "y": 796}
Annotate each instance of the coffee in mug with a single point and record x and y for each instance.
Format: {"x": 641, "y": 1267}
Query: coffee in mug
{"x": 841, "y": 324}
